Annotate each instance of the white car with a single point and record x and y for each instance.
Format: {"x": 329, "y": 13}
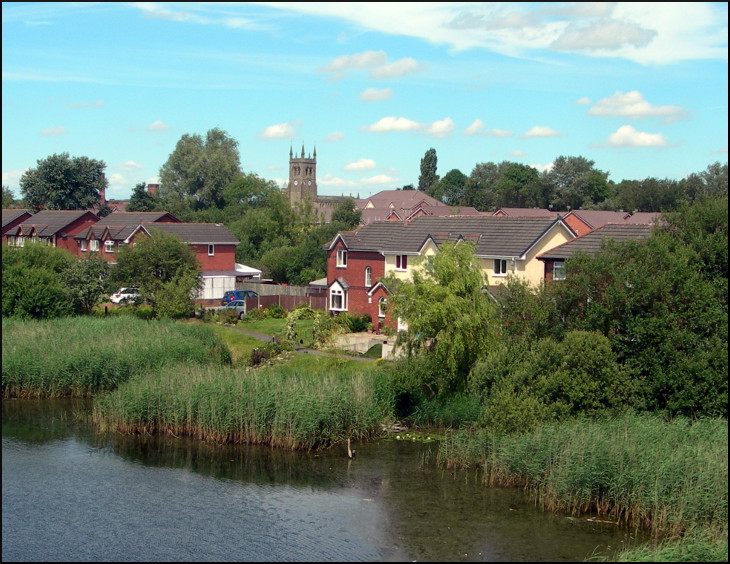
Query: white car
{"x": 124, "y": 295}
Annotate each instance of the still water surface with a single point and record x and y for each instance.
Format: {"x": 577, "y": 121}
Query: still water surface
{"x": 72, "y": 494}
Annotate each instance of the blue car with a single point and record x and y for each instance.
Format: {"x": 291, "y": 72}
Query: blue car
{"x": 234, "y": 295}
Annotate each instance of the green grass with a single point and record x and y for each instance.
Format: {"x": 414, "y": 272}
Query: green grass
{"x": 308, "y": 403}
{"x": 81, "y": 356}
{"x": 671, "y": 477}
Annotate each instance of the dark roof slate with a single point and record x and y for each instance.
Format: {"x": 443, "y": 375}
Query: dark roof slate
{"x": 50, "y": 222}
{"x": 591, "y": 242}
{"x": 11, "y": 215}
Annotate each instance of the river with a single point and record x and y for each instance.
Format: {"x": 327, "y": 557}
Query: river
{"x": 70, "y": 493}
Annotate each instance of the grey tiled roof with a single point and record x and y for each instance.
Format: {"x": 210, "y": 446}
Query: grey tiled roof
{"x": 122, "y": 219}
{"x": 591, "y": 242}
{"x": 196, "y": 233}
{"x": 11, "y": 215}
{"x": 50, "y": 222}
{"x": 493, "y": 236}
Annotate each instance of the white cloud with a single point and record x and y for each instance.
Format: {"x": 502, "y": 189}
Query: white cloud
{"x": 281, "y": 130}
{"x": 627, "y": 136}
{"x": 583, "y": 101}
{"x": 475, "y": 128}
{"x": 362, "y": 164}
{"x": 540, "y": 131}
{"x": 158, "y": 125}
{"x": 605, "y": 34}
{"x": 478, "y": 128}
{"x": 335, "y": 182}
{"x": 397, "y": 69}
{"x": 12, "y": 178}
{"x": 441, "y": 128}
{"x": 357, "y": 61}
{"x": 543, "y": 168}
{"x": 390, "y": 123}
{"x": 130, "y": 165}
{"x": 335, "y": 137}
{"x": 633, "y": 105}
{"x": 379, "y": 179}
{"x": 53, "y": 131}
{"x": 517, "y": 153}
{"x": 375, "y": 95}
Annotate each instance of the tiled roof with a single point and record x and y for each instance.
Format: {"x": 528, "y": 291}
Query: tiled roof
{"x": 196, "y": 233}
{"x": 493, "y": 236}
{"x": 591, "y": 242}
{"x": 122, "y": 219}
{"x": 11, "y": 215}
{"x": 526, "y": 212}
{"x": 398, "y": 199}
{"x": 50, "y": 222}
{"x": 644, "y": 218}
{"x": 597, "y": 218}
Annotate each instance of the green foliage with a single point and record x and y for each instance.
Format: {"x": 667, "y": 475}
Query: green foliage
{"x": 62, "y": 182}
{"x": 347, "y": 213}
{"x": 198, "y": 170}
{"x": 80, "y": 356}
{"x": 164, "y": 269}
{"x": 434, "y": 303}
{"x": 86, "y": 279}
{"x": 428, "y": 176}
{"x": 450, "y": 188}
{"x": 142, "y": 201}
{"x": 8, "y": 198}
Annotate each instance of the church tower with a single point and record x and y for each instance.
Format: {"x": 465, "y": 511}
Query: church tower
{"x": 302, "y": 178}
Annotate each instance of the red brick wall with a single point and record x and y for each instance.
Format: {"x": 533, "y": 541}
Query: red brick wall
{"x": 223, "y": 259}
{"x": 577, "y": 225}
{"x": 73, "y": 228}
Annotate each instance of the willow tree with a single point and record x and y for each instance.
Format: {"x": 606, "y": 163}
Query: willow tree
{"x": 447, "y": 313}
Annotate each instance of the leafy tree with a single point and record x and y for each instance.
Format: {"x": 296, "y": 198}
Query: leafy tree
{"x": 450, "y": 188}
{"x": 142, "y": 201}
{"x": 711, "y": 183}
{"x": 165, "y": 270}
{"x": 447, "y": 313}
{"x": 61, "y": 182}
{"x": 8, "y": 198}
{"x": 32, "y": 282}
{"x": 408, "y": 187}
{"x": 479, "y": 190}
{"x": 428, "y": 176}
{"x": 347, "y": 213}
{"x": 648, "y": 195}
{"x": 517, "y": 186}
{"x": 249, "y": 192}
{"x": 86, "y": 279}
{"x": 576, "y": 183}
{"x": 198, "y": 170}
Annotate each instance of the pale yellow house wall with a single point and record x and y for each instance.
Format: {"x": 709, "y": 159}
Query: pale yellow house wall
{"x": 414, "y": 262}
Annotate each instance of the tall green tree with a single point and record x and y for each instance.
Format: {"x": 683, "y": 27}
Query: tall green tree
{"x": 447, "y": 313}
{"x": 8, "y": 198}
{"x": 165, "y": 270}
{"x": 198, "y": 170}
{"x": 62, "y": 182}
{"x": 142, "y": 201}
{"x": 347, "y": 213}
{"x": 86, "y": 279}
{"x": 575, "y": 183}
{"x": 428, "y": 176}
{"x": 450, "y": 188}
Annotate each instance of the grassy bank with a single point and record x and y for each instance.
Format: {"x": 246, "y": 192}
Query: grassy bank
{"x": 640, "y": 470}
{"x": 80, "y": 356}
{"x": 284, "y": 406}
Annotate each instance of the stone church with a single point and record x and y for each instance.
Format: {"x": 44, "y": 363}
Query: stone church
{"x": 302, "y": 185}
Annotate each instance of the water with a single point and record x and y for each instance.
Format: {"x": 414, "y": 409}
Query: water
{"x": 72, "y": 494}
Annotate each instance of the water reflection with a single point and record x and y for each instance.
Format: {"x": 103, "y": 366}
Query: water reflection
{"x": 71, "y": 493}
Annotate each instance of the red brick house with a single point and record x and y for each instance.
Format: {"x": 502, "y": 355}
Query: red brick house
{"x": 54, "y": 227}
{"x": 358, "y": 259}
{"x": 113, "y": 231}
{"x": 583, "y": 221}
{"x": 13, "y": 218}
{"x": 214, "y": 246}
{"x": 590, "y": 243}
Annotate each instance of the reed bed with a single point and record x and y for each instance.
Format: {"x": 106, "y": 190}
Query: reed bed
{"x": 81, "y": 356}
{"x": 278, "y": 405}
{"x": 641, "y": 470}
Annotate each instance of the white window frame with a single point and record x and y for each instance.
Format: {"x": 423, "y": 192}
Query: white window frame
{"x": 94, "y": 245}
{"x": 211, "y": 250}
{"x": 82, "y": 244}
{"x": 339, "y": 295}
{"x": 500, "y": 267}
{"x": 382, "y": 306}
{"x": 20, "y": 241}
{"x": 559, "y": 273}
{"x": 401, "y": 262}
{"x": 341, "y": 258}
{"x": 368, "y": 276}
{"x": 109, "y": 246}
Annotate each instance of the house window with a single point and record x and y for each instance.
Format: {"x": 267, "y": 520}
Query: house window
{"x": 109, "y": 246}
{"x": 82, "y": 243}
{"x": 11, "y": 240}
{"x": 337, "y": 300}
{"x": 211, "y": 250}
{"x": 401, "y": 262}
{"x": 341, "y": 258}
{"x": 382, "y": 307}
{"x": 20, "y": 241}
{"x": 368, "y": 276}
{"x": 559, "y": 270}
{"x": 500, "y": 267}
{"x": 94, "y": 245}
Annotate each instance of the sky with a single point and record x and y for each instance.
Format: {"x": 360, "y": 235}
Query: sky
{"x": 640, "y": 89}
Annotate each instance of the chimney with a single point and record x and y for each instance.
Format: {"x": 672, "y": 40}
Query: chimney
{"x": 152, "y": 189}
{"x": 102, "y": 192}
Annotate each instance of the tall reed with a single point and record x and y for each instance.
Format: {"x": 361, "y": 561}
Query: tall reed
{"x": 278, "y": 405}
{"x": 640, "y": 469}
{"x": 80, "y": 356}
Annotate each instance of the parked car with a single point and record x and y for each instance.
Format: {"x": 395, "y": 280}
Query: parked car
{"x": 124, "y": 295}
{"x": 233, "y": 295}
{"x": 236, "y": 306}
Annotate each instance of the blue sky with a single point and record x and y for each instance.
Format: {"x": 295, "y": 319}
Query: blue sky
{"x": 639, "y": 88}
